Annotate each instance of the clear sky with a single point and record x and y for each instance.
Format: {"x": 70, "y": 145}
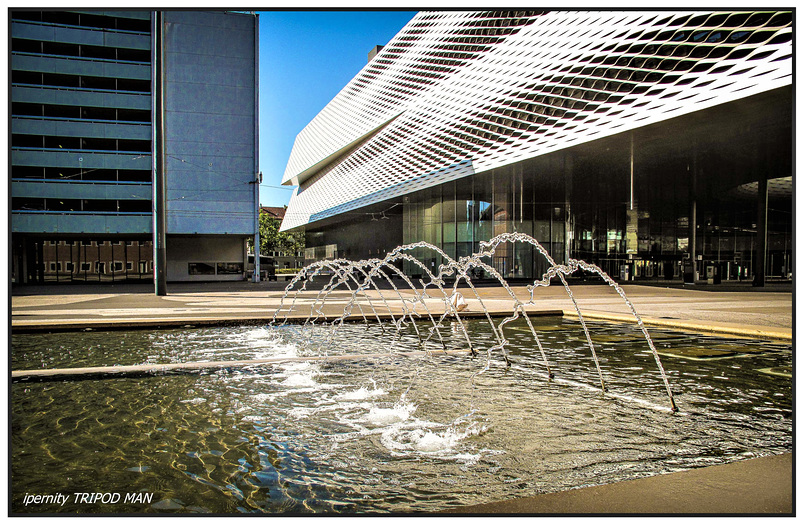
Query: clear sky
{"x": 306, "y": 58}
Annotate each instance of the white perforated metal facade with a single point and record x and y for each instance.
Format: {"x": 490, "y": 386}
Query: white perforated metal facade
{"x": 457, "y": 93}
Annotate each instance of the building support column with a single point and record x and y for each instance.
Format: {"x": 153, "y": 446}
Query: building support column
{"x": 693, "y": 219}
{"x": 257, "y": 184}
{"x": 39, "y": 261}
{"x": 159, "y": 159}
{"x": 24, "y": 267}
{"x": 257, "y": 233}
{"x": 760, "y": 254}
{"x": 569, "y": 222}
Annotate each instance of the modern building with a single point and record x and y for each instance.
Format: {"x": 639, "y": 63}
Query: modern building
{"x": 88, "y": 90}
{"x": 655, "y": 144}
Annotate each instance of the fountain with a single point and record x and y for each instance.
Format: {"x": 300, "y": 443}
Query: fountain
{"x": 346, "y": 273}
{"x": 379, "y": 392}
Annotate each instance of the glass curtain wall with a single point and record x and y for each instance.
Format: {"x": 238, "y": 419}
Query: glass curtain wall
{"x": 458, "y": 215}
{"x": 624, "y": 204}
{"x": 82, "y": 260}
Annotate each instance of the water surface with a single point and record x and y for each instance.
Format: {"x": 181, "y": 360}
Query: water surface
{"x": 384, "y": 434}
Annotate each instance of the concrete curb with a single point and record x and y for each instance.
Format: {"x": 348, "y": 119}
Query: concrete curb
{"x": 773, "y": 333}
{"x": 62, "y": 325}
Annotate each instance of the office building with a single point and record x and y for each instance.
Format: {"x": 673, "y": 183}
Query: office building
{"x": 655, "y": 144}
{"x": 84, "y": 113}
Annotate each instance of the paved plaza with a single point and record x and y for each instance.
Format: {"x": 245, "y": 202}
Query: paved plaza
{"x": 736, "y": 309}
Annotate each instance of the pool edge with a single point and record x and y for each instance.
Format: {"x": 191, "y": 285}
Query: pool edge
{"x": 763, "y": 485}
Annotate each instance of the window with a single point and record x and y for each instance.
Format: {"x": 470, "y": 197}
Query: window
{"x": 100, "y": 205}
{"x": 135, "y": 206}
{"x": 24, "y": 171}
{"x": 100, "y": 267}
{"x": 70, "y": 266}
{"x": 53, "y": 266}
{"x": 128, "y": 266}
{"x": 229, "y": 268}
{"x": 86, "y": 267}
{"x": 58, "y": 204}
{"x": 87, "y": 242}
{"x": 199, "y": 268}
{"x": 27, "y": 204}
{"x": 117, "y": 266}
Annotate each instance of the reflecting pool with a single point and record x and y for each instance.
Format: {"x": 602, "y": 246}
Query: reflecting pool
{"x": 385, "y": 433}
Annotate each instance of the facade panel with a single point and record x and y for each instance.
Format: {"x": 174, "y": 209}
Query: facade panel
{"x": 87, "y": 190}
{"x": 60, "y": 96}
{"x": 83, "y": 224}
{"x": 79, "y": 160}
{"x": 80, "y": 66}
{"x": 86, "y": 129}
{"x": 77, "y": 35}
{"x": 202, "y": 131}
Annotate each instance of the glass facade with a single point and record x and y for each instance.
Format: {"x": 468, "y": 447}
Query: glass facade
{"x": 458, "y": 215}
{"x": 629, "y": 203}
{"x": 84, "y": 259}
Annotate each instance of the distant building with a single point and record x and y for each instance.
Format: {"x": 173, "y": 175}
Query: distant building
{"x": 656, "y": 144}
{"x": 82, "y": 140}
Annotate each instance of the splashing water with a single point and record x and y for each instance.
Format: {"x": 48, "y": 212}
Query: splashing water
{"x": 358, "y": 277}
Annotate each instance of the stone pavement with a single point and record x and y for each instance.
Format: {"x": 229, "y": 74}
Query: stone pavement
{"x": 740, "y": 311}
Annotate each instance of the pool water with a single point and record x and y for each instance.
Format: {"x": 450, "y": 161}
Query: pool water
{"x": 387, "y": 433}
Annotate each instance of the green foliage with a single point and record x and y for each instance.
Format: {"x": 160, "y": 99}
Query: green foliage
{"x": 272, "y": 240}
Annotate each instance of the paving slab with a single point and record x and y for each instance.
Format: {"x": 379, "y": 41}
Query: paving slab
{"x": 763, "y": 314}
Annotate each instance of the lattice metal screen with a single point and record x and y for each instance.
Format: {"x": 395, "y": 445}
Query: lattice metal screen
{"x": 495, "y": 87}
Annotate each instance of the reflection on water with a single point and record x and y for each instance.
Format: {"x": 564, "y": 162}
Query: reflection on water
{"x": 387, "y": 433}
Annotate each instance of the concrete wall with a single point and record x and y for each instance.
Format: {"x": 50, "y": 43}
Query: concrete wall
{"x": 209, "y": 258}
{"x": 211, "y": 78}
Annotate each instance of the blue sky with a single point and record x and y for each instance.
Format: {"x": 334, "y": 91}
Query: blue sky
{"x": 306, "y": 58}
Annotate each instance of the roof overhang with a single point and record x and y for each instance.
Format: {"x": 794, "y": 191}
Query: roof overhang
{"x": 337, "y": 155}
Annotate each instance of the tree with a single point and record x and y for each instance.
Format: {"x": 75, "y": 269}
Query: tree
{"x": 273, "y": 240}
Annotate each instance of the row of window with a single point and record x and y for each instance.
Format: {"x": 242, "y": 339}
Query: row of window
{"x": 78, "y": 144}
{"x": 75, "y": 112}
{"x": 76, "y": 205}
{"x": 70, "y": 174}
{"x": 79, "y": 82}
{"x": 42, "y": 47}
{"x": 93, "y": 243}
{"x": 90, "y": 20}
{"x": 98, "y": 267}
